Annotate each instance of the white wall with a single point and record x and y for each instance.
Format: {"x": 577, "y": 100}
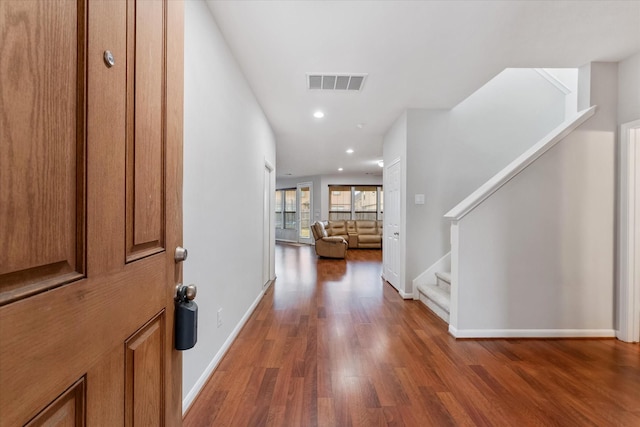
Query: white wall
{"x": 450, "y": 153}
{"x": 227, "y": 140}
{"x": 537, "y": 257}
{"x": 629, "y": 89}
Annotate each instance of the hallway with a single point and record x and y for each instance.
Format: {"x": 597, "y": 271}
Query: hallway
{"x": 331, "y": 344}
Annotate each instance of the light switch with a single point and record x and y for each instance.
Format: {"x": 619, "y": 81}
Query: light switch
{"x": 419, "y": 199}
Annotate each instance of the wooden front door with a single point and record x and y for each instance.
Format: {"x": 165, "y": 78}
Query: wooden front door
{"x": 90, "y": 211}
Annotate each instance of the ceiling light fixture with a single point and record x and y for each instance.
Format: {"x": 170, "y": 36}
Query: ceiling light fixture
{"x": 349, "y": 151}
{"x": 381, "y": 163}
{"x": 318, "y": 114}
{"x": 340, "y": 169}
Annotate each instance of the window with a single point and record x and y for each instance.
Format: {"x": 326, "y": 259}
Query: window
{"x": 339, "y": 202}
{"x": 365, "y": 202}
{"x": 355, "y": 202}
{"x": 286, "y": 208}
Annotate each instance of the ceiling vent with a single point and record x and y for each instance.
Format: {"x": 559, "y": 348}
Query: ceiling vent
{"x": 349, "y": 82}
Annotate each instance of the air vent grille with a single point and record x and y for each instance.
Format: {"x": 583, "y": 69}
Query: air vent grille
{"x": 335, "y": 81}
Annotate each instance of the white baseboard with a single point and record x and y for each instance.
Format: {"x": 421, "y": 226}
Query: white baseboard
{"x": 405, "y": 295}
{"x": 195, "y": 390}
{"x": 531, "y": 333}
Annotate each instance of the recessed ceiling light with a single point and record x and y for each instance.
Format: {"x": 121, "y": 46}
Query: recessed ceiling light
{"x": 350, "y": 151}
{"x": 340, "y": 169}
{"x": 318, "y": 114}
{"x": 381, "y": 163}
{"x": 360, "y": 125}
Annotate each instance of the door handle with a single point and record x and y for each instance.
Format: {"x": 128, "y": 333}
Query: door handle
{"x": 185, "y": 293}
{"x": 180, "y": 254}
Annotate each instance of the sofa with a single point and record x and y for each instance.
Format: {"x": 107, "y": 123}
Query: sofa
{"x": 358, "y": 233}
{"x": 328, "y": 246}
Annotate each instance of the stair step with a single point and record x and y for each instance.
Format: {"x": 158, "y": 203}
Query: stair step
{"x": 437, "y": 299}
{"x": 444, "y": 280}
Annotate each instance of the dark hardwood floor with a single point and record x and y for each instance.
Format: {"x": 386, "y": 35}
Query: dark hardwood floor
{"x": 332, "y": 345}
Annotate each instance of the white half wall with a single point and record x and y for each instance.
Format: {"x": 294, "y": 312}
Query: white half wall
{"x": 539, "y": 254}
{"x": 227, "y": 140}
{"x": 450, "y": 153}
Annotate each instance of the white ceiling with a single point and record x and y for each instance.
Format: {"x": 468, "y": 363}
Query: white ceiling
{"x": 417, "y": 54}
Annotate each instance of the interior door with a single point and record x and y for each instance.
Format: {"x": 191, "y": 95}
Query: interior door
{"x": 90, "y": 211}
{"x": 391, "y": 247}
{"x": 305, "y": 208}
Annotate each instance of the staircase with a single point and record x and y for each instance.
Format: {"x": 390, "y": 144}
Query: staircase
{"x": 437, "y": 297}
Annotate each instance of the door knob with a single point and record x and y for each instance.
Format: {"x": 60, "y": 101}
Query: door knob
{"x": 186, "y": 293}
{"x": 109, "y": 60}
{"x": 180, "y": 254}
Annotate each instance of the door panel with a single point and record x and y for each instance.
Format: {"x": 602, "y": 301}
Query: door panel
{"x": 103, "y": 320}
{"x": 67, "y": 410}
{"x": 64, "y": 331}
{"x": 145, "y": 136}
{"x": 144, "y": 372}
{"x": 40, "y": 112}
{"x": 106, "y": 123}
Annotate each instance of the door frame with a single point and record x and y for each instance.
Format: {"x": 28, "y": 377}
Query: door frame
{"x": 268, "y": 225}
{"x": 628, "y": 288}
{"x": 299, "y": 186}
{"x": 399, "y": 286}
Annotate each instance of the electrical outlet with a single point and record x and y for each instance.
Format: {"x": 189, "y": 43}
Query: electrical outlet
{"x": 219, "y": 317}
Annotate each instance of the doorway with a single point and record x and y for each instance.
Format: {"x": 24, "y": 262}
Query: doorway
{"x": 391, "y": 254}
{"x": 305, "y": 207}
{"x": 267, "y": 226}
{"x": 629, "y": 234}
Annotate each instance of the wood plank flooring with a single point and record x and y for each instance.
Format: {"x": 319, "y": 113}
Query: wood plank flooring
{"x": 332, "y": 345}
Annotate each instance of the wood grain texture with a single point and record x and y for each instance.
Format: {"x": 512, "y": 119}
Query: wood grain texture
{"x": 144, "y": 375}
{"x": 42, "y": 149}
{"x": 331, "y": 344}
{"x": 102, "y": 316}
{"x": 106, "y": 114}
{"x": 145, "y": 127}
{"x": 104, "y": 396}
{"x": 50, "y": 339}
{"x": 173, "y": 196}
{"x": 68, "y": 410}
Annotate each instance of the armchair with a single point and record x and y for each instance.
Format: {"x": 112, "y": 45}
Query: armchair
{"x": 328, "y": 246}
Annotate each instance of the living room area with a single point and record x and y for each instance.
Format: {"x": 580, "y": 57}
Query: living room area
{"x": 343, "y": 210}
